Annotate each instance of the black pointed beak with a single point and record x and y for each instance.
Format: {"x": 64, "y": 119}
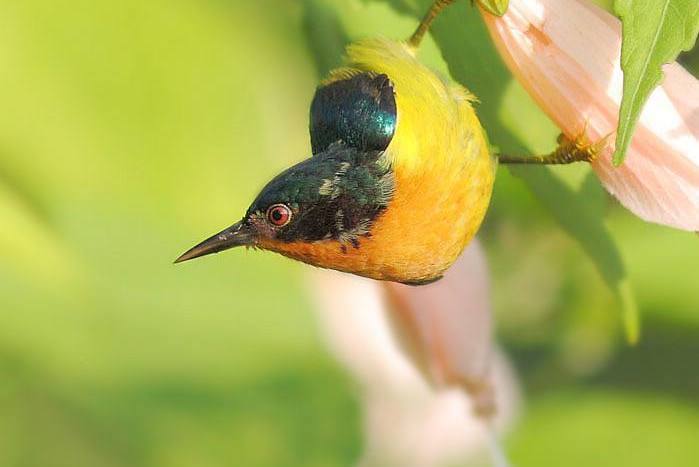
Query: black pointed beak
{"x": 239, "y": 234}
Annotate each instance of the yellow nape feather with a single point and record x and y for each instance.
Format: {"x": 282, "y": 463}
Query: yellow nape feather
{"x": 443, "y": 169}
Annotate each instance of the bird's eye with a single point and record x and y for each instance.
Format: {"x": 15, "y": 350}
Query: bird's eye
{"x": 278, "y": 215}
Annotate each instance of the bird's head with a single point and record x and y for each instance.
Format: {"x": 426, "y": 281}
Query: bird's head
{"x": 330, "y": 199}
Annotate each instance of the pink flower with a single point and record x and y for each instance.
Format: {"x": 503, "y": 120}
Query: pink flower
{"x": 417, "y": 353}
{"x": 566, "y": 54}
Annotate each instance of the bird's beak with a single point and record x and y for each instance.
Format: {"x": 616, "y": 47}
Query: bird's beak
{"x": 239, "y": 234}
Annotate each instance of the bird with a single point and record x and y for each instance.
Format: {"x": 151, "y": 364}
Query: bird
{"x": 401, "y": 173}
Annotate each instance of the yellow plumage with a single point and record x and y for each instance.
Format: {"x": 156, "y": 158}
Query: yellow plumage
{"x": 443, "y": 169}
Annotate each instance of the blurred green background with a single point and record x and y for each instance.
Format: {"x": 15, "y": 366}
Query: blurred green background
{"x": 130, "y": 130}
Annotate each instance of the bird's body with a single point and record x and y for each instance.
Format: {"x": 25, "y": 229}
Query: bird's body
{"x": 438, "y": 159}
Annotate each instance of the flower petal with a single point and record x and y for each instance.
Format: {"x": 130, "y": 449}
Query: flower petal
{"x": 448, "y": 325}
{"x": 566, "y": 54}
{"x": 410, "y": 417}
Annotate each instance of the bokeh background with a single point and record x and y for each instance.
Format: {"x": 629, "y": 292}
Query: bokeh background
{"x": 130, "y": 130}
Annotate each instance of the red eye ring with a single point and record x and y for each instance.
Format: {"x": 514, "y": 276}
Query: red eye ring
{"x": 278, "y": 215}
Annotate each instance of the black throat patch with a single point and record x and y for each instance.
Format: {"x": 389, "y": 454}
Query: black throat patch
{"x": 337, "y": 194}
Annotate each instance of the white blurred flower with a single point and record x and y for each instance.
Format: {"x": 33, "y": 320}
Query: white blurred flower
{"x": 415, "y": 382}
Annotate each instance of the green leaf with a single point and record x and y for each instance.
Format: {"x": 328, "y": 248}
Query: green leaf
{"x": 654, "y": 33}
{"x": 583, "y": 221}
{"x": 496, "y": 7}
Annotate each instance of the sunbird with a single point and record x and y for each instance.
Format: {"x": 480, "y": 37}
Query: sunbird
{"x": 401, "y": 174}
